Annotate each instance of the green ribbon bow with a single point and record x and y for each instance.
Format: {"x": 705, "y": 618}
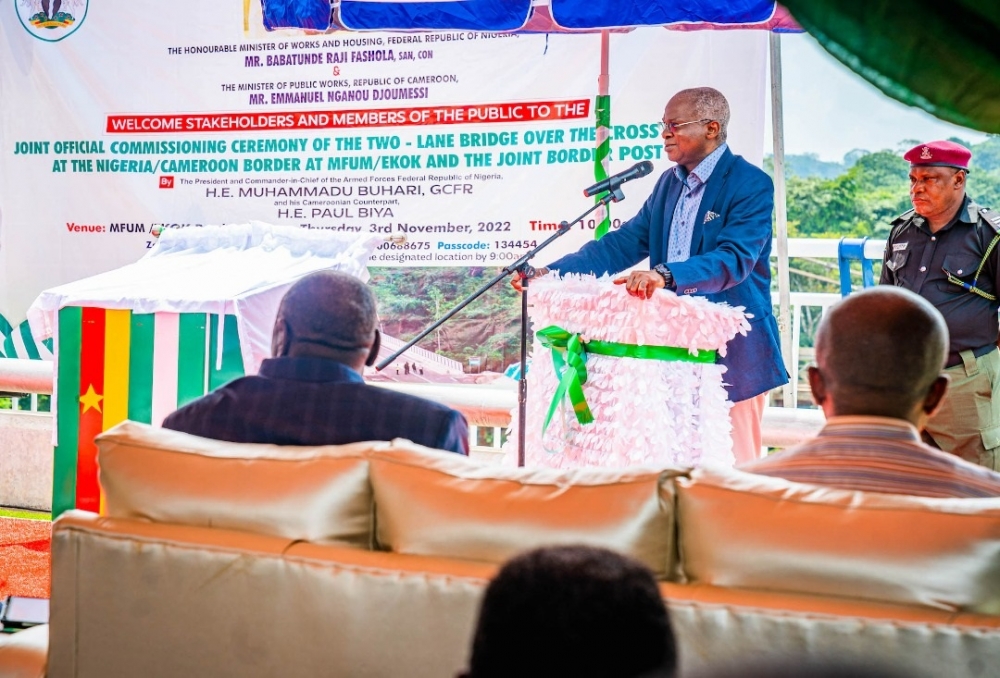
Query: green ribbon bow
{"x": 572, "y": 370}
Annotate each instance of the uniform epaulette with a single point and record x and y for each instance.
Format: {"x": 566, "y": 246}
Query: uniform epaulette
{"x": 897, "y": 224}
{"x": 903, "y": 217}
{"x": 990, "y": 217}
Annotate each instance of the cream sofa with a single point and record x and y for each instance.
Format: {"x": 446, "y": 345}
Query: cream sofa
{"x": 219, "y": 559}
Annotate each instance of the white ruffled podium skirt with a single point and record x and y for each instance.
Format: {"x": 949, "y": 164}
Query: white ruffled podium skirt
{"x": 646, "y": 411}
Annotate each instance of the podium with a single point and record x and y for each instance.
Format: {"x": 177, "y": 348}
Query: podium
{"x": 619, "y": 381}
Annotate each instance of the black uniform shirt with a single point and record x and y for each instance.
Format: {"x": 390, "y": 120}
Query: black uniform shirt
{"x": 917, "y": 259}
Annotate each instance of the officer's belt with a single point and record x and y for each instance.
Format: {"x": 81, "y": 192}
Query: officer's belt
{"x": 955, "y": 358}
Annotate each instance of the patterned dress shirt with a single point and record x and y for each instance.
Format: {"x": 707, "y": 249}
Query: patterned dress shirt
{"x": 312, "y": 401}
{"x": 693, "y": 182}
{"x": 877, "y": 454}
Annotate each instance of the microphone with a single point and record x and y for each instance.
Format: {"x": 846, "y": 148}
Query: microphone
{"x": 613, "y": 182}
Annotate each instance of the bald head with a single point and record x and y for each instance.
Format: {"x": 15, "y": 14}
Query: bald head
{"x": 327, "y": 314}
{"x": 708, "y": 103}
{"x": 880, "y": 352}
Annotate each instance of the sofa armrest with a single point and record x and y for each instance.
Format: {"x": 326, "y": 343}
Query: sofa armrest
{"x": 24, "y": 654}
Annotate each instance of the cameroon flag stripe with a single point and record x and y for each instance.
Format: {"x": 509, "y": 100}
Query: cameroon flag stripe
{"x": 165, "y": 356}
{"x": 191, "y": 357}
{"x": 90, "y": 396}
{"x": 232, "y": 358}
{"x": 140, "y": 368}
{"x": 118, "y": 329}
{"x": 67, "y": 410}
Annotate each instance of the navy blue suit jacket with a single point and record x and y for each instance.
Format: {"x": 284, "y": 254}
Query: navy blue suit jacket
{"x": 312, "y": 401}
{"x": 730, "y": 261}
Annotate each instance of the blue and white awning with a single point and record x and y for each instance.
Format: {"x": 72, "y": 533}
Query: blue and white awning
{"x": 18, "y": 342}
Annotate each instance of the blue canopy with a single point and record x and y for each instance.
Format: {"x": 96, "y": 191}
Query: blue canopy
{"x": 516, "y": 15}
{"x": 473, "y": 15}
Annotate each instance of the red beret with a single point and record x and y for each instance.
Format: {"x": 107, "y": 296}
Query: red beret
{"x": 940, "y": 154}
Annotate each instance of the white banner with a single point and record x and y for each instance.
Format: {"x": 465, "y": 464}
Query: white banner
{"x": 118, "y": 119}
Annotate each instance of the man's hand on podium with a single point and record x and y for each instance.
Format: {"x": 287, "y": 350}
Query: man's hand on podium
{"x": 515, "y": 281}
{"x": 642, "y": 284}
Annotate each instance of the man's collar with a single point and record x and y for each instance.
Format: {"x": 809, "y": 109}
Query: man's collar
{"x": 969, "y": 211}
{"x": 308, "y": 369}
{"x": 703, "y": 170}
{"x": 873, "y": 425}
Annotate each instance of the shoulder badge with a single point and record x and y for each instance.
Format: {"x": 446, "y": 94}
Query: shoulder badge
{"x": 990, "y": 217}
{"x": 905, "y": 216}
{"x": 900, "y": 222}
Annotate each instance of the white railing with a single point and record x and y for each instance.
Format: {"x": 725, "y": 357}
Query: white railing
{"x": 826, "y": 248}
{"x": 800, "y": 301}
{"x": 22, "y": 376}
{"x": 811, "y": 248}
{"x": 25, "y": 376}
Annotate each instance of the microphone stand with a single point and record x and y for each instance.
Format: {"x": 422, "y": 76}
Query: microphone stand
{"x": 521, "y": 265}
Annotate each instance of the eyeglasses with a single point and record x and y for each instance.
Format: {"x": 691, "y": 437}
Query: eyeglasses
{"x": 673, "y": 126}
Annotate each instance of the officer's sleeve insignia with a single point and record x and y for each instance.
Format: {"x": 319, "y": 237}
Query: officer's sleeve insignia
{"x": 990, "y": 217}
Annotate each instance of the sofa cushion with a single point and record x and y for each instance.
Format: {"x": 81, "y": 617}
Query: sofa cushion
{"x": 431, "y": 503}
{"x": 742, "y": 530}
{"x": 318, "y": 494}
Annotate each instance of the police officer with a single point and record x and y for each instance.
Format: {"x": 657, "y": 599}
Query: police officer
{"x": 946, "y": 249}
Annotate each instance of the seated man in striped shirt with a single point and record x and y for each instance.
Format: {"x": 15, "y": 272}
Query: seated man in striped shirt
{"x": 879, "y": 356}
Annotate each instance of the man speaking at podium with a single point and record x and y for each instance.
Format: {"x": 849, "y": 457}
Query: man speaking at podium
{"x": 706, "y": 229}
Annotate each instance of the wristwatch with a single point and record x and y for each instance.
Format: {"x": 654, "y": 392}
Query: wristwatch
{"x": 668, "y": 277}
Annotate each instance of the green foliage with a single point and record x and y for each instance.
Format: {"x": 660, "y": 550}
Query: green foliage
{"x": 871, "y": 191}
{"x": 21, "y": 402}
{"x": 410, "y": 299}
{"x": 986, "y": 156}
{"x": 984, "y": 178}
{"x": 857, "y": 203}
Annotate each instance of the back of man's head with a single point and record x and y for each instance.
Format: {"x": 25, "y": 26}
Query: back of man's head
{"x": 327, "y": 314}
{"x": 573, "y": 611}
{"x": 879, "y": 352}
